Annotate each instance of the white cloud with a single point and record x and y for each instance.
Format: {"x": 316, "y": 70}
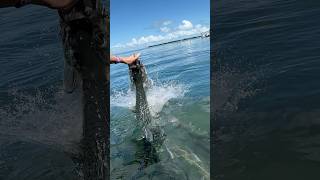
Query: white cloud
{"x": 164, "y": 29}
{"x": 144, "y": 40}
{"x": 184, "y": 29}
{"x": 118, "y": 46}
{"x": 166, "y": 23}
{"x": 185, "y": 25}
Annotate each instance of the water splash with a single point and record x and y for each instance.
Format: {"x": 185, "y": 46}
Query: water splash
{"x": 158, "y": 96}
{"x": 45, "y": 117}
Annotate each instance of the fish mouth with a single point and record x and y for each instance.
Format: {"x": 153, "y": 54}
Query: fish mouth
{"x": 138, "y": 72}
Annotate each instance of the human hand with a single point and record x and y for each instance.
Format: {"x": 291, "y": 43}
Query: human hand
{"x": 131, "y": 59}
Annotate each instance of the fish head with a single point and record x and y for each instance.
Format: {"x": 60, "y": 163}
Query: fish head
{"x": 138, "y": 73}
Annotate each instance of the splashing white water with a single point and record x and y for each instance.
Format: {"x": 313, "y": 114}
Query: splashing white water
{"x": 157, "y": 96}
{"x": 54, "y": 121}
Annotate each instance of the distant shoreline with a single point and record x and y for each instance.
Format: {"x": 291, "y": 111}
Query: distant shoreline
{"x": 194, "y": 37}
{"x": 180, "y": 40}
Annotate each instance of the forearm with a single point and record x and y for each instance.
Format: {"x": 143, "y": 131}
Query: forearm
{"x": 116, "y": 59}
{"x": 126, "y": 60}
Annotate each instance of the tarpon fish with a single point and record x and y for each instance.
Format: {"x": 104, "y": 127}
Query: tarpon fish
{"x": 140, "y": 81}
{"x": 91, "y": 78}
{"x": 149, "y": 137}
{"x": 87, "y": 68}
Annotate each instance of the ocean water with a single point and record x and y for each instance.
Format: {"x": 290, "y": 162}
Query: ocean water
{"x": 39, "y": 123}
{"x": 266, "y": 90}
{"x": 179, "y": 101}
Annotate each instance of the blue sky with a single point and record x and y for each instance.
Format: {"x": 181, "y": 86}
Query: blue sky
{"x": 139, "y": 22}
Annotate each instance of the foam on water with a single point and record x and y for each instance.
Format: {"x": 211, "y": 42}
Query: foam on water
{"x": 157, "y": 96}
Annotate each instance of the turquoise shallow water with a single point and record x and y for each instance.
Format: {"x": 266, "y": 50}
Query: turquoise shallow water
{"x": 179, "y": 103}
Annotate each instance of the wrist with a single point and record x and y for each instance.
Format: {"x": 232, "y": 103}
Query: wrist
{"x": 118, "y": 59}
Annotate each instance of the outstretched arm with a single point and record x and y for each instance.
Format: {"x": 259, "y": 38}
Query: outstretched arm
{"x": 55, "y": 4}
{"x": 125, "y": 60}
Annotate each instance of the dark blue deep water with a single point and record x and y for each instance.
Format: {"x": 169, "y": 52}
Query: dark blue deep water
{"x": 266, "y": 85}
{"x": 39, "y": 123}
